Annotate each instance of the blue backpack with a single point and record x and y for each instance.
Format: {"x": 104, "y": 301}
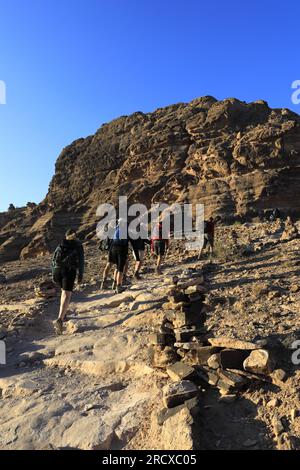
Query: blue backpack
{"x": 117, "y": 240}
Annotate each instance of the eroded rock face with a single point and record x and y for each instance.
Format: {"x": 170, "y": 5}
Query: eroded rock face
{"x": 237, "y": 158}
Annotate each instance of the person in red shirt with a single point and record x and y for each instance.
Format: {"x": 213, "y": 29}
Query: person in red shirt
{"x": 159, "y": 245}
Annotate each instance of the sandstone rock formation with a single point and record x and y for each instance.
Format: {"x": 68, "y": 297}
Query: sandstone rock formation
{"x": 237, "y": 158}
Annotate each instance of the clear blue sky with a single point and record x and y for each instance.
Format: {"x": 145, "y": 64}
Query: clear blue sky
{"x": 70, "y": 65}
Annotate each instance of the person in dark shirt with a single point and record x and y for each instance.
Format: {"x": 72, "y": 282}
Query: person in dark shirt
{"x": 209, "y": 237}
{"x": 67, "y": 264}
{"x": 138, "y": 248}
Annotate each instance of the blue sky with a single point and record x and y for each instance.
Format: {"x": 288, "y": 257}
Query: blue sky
{"x": 70, "y": 65}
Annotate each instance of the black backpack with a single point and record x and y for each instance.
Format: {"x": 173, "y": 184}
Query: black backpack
{"x": 65, "y": 257}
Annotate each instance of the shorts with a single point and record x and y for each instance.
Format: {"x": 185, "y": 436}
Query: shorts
{"x": 208, "y": 240}
{"x": 138, "y": 255}
{"x": 159, "y": 247}
{"x": 118, "y": 255}
{"x": 65, "y": 278}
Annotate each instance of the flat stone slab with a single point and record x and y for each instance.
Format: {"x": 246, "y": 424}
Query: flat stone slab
{"x": 232, "y": 343}
{"x": 180, "y": 371}
{"x": 88, "y": 433}
{"x": 177, "y": 393}
{"x": 230, "y": 380}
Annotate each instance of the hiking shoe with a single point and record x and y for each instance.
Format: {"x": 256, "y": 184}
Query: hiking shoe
{"x": 126, "y": 281}
{"x": 137, "y": 276}
{"x": 119, "y": 289}
{"x": 58, "y": 325}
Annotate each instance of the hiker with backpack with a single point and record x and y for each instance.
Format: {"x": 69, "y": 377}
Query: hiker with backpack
{"x": 118, "y": 253}
{"x": 138, "y": 246}
{"x": 67, "y": 264}
{"x": 159, "y": 245}
{"x": 209, "y": 237}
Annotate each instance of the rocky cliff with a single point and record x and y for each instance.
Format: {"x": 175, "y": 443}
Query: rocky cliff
{"x": 236, "y": 158}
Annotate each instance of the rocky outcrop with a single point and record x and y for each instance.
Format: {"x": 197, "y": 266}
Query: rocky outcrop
{"x": 237, "y": 158}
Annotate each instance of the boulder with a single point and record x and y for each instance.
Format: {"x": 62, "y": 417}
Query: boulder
{"x": 214, "y": 361}
{"x": 177, "y": 432}
{"x": 258, "y": 362}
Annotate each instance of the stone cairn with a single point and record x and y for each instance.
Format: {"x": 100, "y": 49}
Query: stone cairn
{"x": 193, "y": 359}
{"x": 290, "y": 231}
{"x": 46, "y": 290}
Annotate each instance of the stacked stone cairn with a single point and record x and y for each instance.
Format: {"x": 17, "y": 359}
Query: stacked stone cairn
{"x": 194, "y": 360}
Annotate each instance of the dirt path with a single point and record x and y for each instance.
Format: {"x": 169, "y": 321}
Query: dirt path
{"x": 94, "y": 386}
{"x": 96, "y": 374}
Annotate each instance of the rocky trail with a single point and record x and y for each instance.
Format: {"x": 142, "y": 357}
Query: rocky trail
{"x": 98, "y": 387}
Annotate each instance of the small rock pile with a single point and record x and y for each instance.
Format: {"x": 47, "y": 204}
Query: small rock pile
{"x": 194, "y": 361}
{"x": 290, "y": 231}
{"x": 46, "y": 290}
{"x": 184, "y": 318}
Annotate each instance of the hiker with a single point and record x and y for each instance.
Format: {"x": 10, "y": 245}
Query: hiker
{"x": 209, "y": 236}
{"x": 118, "y": 254}
{"x": 159, "y": 245}
{"x": 138, "y": 248}
{"x": 67, "y": 263}
{"x": 105, "y": 246}
{"x": 274, "y": 215}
